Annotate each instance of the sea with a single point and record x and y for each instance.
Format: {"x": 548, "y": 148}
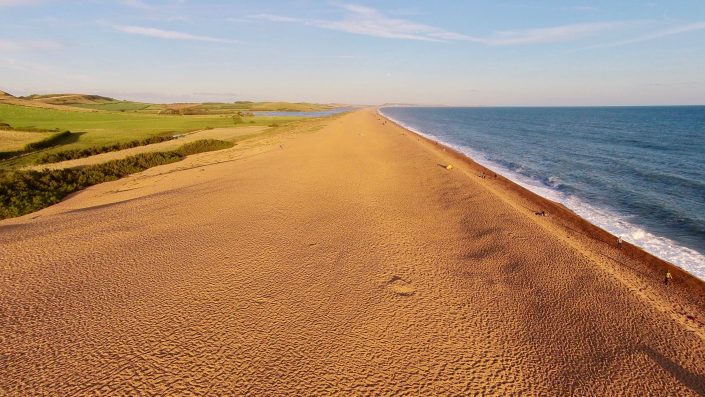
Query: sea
{"x": 637, "y": 172}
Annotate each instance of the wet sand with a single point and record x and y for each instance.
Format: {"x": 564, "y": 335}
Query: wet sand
{"x": 339, "y": 258}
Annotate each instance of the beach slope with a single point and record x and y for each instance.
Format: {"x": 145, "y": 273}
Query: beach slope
{"x": 340, "y": 258}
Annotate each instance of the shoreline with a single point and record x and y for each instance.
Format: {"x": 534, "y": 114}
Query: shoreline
{"x": 664, "y": 245}
{"x": 570, "y": 221}
{"x": 597, "y": 232}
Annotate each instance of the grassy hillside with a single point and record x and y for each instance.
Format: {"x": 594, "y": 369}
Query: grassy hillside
{"x": 115, "y": 106}
{"x": 85, "y": 102}
{"x": 70, "y": 99}
{"x": 232, "y": 108}
{"x": 92, "y": 129}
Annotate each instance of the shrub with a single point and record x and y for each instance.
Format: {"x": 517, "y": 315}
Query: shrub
{"x": 22, "y": 192}
{"x": 171, "y": 112}
{"x": 73, "y": 154}
{"x": 204, "y": 145}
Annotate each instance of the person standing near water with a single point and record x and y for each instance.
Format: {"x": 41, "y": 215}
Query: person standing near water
{"x": 668, "y": 278}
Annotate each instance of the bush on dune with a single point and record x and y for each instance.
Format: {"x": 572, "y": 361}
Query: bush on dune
{"x": 22, "y": 192}
{"x": 204, "y": 145}
{"x": 92, "y": 151}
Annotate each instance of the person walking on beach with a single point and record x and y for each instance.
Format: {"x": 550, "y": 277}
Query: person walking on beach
{"x": 668, "y": 278}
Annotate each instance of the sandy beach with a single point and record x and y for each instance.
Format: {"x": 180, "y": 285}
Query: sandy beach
{"x": 341, "y": 257}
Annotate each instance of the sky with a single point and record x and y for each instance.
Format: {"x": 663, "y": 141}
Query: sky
{"x": 443, "y": 52}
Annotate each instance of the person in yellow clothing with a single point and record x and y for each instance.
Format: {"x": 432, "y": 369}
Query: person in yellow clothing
{"x": 668, "y": 278}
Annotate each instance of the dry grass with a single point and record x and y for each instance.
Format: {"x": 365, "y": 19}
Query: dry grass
{"x": 11, "y": 141}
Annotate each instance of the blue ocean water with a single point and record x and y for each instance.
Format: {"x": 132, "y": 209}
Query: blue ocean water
{"x": 638, "y": 172}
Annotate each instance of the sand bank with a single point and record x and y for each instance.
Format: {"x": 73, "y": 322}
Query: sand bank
{"x": 224, "y": 134}
{"x": 342, "y": 257}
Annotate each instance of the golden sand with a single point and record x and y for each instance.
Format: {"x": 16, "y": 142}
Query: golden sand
{"x": 347, "y": 260}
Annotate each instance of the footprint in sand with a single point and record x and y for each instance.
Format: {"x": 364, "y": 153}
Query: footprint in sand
{"x": 399, "y": 286}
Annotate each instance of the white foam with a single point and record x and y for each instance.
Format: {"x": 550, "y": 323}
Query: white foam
{"x": 686, "y": 258}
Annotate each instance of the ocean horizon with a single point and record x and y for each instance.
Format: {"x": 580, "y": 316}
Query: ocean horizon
{"x": 636, "y": 171}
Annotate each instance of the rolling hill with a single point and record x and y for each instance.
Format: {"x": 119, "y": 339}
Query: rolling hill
{"x": 70, "y": 99}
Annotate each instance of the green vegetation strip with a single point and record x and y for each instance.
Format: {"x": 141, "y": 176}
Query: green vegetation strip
{"x": 22, "y": 192}
{"x": 204, "y": 145}
{"x": 73, "y": 154}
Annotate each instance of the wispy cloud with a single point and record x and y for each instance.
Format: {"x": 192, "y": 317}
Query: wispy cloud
{"x": 692, "y": 27}
{"x": 167, "y": 34}
{"x": 371, "y": 22}
{"x": 556, "y": 33}
{"x": 16, "y": 45}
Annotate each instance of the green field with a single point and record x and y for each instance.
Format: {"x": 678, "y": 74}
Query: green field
{"x": 106, "y": 128}
{"x": 117, "y": 106}
{"x": 97, "y": 102}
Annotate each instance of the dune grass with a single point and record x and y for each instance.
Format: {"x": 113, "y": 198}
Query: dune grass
{"x": 204, "y": 145}
{"x": 22, "y": 192}
{"x": 72, "y": 154}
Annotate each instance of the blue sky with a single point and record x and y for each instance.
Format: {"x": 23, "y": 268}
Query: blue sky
{"x": 504, "y": 52}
